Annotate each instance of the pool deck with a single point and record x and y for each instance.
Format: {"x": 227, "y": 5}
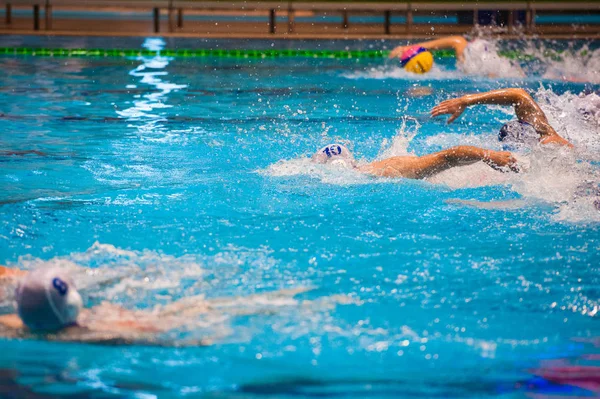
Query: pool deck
{"x": 295, "y": 19}
{"x": 259, "y": 30}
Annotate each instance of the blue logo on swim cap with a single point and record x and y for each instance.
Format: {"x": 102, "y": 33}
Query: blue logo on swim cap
{"x": 332, "y": 150}
{"x": 60, "y": 286}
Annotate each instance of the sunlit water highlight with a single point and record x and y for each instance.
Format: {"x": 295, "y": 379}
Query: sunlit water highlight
{"x": 167, "y": 178}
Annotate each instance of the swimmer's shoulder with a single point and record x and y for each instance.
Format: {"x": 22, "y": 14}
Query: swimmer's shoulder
{"x": 10, "y": 322}
{"x": 7, "y": 272}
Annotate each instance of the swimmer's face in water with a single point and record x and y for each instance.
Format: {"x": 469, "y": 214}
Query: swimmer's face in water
{"x": 516, "y": 133}
{"x": 334, "y": 154}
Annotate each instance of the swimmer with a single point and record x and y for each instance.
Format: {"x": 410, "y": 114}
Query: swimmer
{"x": 479, "y": 57}
{"x": 530, "y": 127}
{"x": 415, "y": 167}
{"x": 457, "y": 43}
{"x": 49, "y": 306}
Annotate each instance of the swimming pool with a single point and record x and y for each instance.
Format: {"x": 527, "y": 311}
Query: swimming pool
{"x": 175, "y": 177}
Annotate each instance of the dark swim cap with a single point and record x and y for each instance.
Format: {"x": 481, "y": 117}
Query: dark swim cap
{"x": 518, "y": 132}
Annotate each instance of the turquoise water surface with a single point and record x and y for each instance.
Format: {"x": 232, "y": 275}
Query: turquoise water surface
{"x": 150, "y": 167}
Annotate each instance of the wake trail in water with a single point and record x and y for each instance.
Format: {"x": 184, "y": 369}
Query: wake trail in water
{"x": 186, "y": 291}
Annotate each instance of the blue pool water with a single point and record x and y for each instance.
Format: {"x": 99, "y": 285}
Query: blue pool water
{"x": 179, "y": 177}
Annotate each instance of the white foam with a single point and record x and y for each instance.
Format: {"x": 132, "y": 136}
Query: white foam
{"x": 575, "y": 117}
{"x": 572, "y": 65}
{"x": 392, "y": 70}
{"x": 339, "y": 175}
{"x": 328, "y": 173}
{"x": 470, "y": 176}
{"x": 398, "y": 146}
{"x": 481, "y": 58}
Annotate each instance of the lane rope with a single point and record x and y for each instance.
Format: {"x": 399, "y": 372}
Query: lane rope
{"x": 219, "y": 53}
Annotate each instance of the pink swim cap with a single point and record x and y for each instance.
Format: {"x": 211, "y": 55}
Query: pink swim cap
{"x": 410, "y": 52}
{"x": 47, "y": 300}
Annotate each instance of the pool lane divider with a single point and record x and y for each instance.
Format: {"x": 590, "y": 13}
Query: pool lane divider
{"x": 219, "y": 53}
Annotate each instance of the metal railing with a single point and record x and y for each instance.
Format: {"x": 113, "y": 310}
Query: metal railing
{"x": 289, "y": 8}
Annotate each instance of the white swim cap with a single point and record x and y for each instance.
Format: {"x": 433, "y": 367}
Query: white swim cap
{"x": 335, "y": 154}
{"x": 48, "y": 300}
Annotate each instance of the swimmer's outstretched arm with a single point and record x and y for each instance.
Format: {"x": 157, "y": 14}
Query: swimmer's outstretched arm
{"x": 526, "y": 108}
{"x": 458, "y": 43}
{"x": 428, "y": 165}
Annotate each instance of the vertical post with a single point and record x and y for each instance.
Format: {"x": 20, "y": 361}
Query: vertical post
{"x": 272, "y": 20}
{"x": 36, "y": 17}
{"x": 409, "y": 19}
{"x": 180, "y": 17}
{"x": 511, "y": 21}
{"x": 48, "y": 15}
{"x": 156, "y": 12}
{"x": 8, "y": 15}
{"x": 170, "y": 17}
{"x": 532, "y": 25}
{"x": 388, "y": 18}
{"x": 475, "y": 17}
{"x": 528, "y": 20}
{"x": 291, "y": 20}
{"x": 345, "y": 19}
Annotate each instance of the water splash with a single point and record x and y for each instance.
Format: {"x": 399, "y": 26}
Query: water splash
{"x": 577, "y": 63}
{"x": 566, "y": 180}
{"x": 574, "y": 116}
{"x": 340, "y": 175}
{"x": 574, "y": 64}
{"x": 484, "y": 57}
{"x": 392, "y": 70}
{"x": 328, "y": 174}
{"x": 481, "y": 57}
{"x": 398, "y": 146}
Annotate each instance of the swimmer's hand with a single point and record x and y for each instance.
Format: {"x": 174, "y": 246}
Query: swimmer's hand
{"x": 500, "y": 160}
{"x": 454, "y": 107}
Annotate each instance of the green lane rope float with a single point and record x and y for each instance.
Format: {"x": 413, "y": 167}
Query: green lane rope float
{"x": 218, "y": 53}
{"x": 186, "y": 53}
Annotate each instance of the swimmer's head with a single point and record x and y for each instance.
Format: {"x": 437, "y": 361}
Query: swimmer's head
{"x": 47, "y": 300}
{"x": 517, "y": 132}
{"x": 334, "y": 154}
{"x": 417, "y": 59}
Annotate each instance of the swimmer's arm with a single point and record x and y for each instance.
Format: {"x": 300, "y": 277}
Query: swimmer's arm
{"x": 524, "y": 105}
{"x": 11, "y": 321}
{"x": 428, "y": 165}
{"x": 458, "y": 43}
{"x": 6, "y": 272}
{"x": 197, "y": 305}
{"x": 526, "y": 108}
